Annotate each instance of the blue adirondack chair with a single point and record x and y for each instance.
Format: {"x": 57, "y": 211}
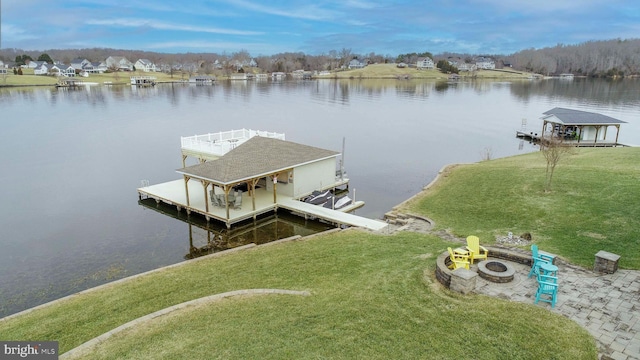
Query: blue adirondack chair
{"x": 537, "y": 259}
{"x": 547, "y": 289}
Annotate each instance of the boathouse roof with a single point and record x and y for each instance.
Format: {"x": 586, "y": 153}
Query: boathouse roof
{"x": 257, "y": 157}
{"x": 577, "y": 117}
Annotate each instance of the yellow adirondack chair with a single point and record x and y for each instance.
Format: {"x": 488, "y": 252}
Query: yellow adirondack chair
{"x": 476, "y": 250}
{"x": 457, "y": 260}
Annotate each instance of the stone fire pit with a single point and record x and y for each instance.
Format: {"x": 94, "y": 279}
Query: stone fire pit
{"x": 496, "y": 271}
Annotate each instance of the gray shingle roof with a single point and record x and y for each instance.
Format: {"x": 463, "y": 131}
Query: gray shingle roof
{"x": 577, "y": 117}
{"x": 258, "y": 156}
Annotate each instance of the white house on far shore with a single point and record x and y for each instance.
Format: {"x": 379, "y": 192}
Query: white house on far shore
{"x": 145, "y": 65}
{"x": 425, "y": 63}
{"x": 119, "y": 62}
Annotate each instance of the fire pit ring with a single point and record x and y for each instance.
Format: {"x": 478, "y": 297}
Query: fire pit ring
{"x": 496, "y": 271}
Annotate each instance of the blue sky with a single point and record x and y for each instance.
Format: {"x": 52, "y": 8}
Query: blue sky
{"x": 315, "y": 27}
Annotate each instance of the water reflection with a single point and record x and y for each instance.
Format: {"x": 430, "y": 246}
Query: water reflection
{"x": 211, "y": 237}
{"x": 591, "y": 91}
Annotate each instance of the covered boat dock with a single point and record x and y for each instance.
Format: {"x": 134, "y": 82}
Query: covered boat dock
{"x": 576, "y": 128}
{"x": 257, "y": 176}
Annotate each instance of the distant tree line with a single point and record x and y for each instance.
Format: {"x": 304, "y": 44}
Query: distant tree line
{"x": 593, "y": 58}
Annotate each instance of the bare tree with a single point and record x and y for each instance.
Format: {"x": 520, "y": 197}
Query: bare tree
{"x": 553, "y": 150}
{"x": 486, "y": 154}
{"x": 345, "y": 56}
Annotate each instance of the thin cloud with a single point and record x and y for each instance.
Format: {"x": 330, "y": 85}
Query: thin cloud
{"x": 158, "y": 25}
{"x": 310, "y": 12}
{"x": 15, "y": 33}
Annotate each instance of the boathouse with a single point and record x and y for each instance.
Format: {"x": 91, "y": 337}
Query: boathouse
{"x": 202, "y": 80}
{"x": 143, "y": 80}
{"x": 256, "y": 176}
{"x": 576, "y": 128}
{"x": 580, "y": 127}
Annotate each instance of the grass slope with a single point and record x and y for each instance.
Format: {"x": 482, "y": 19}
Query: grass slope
{"x": 391, "y": 71}
{"x": 29, "y": 79}
{"x": 373, "y": 297}
{"x": 593, "y": 204}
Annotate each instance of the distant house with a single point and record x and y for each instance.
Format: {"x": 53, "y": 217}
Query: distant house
{"x": 425, "y": 63}
{"x": 34, "y": 64}
{"x": 145, "y": 65}
{"x": 55, "y": 69}
{"x": 119, "y": 63}
{"x": 356, "y": 64}
{"x": 96, "y": 67}
{"x": 63, "y": 70}
{"x": 41, "y": 70}
{"x": 80, "y": 63}
{"x": 463, "y": 66}
{"x": 485, "y": 63}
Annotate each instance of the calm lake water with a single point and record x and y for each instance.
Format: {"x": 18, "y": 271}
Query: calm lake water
{"x": 72, "y": 159}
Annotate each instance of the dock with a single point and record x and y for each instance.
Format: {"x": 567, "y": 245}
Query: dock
{"x": 242, "y": 174}
{"x": 173, "y": 193}
{"x": 577, "y": 128}
{"x": 143, "y": 80}
{"x": 202, "y": 80}
{"x": 536, "y": 138}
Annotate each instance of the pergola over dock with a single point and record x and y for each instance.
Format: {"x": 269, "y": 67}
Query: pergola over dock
{"x": 581, "y": 128}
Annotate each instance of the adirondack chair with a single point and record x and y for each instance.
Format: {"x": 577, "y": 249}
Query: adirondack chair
{"x": 476, "y": 251}
{"x": 457, "y": 260}
{"x": 547, "y": 289}
{"x": 214, "y": 198}
{"x": 238, "y": 203}
{"x": 537, "y": 258}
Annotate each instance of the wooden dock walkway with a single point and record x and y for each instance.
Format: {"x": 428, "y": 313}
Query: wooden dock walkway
{"x": 173, "y": 193}
{"x": 335, "y": 216}
{"x": 535, "y": 137}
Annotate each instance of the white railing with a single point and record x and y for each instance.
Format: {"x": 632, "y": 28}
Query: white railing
{"x": 222, "y": 142}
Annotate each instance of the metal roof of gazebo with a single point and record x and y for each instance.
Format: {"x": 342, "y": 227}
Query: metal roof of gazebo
{"x": 576, "y": 117}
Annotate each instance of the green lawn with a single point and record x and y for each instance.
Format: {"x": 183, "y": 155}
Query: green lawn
{"x": 593, "y": 204}
{"x": 373, "y": 297}
{"x": 29, "y": 79}
{"x": 392, "y": 71}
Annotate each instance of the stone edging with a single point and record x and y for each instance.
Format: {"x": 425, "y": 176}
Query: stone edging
{"x": 203, "y": 300}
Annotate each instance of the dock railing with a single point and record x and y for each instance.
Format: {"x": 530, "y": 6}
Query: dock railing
{"x": 222, "y": 142}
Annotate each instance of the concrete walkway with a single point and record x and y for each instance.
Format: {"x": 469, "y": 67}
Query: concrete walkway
{"x": 607, "y": 305}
